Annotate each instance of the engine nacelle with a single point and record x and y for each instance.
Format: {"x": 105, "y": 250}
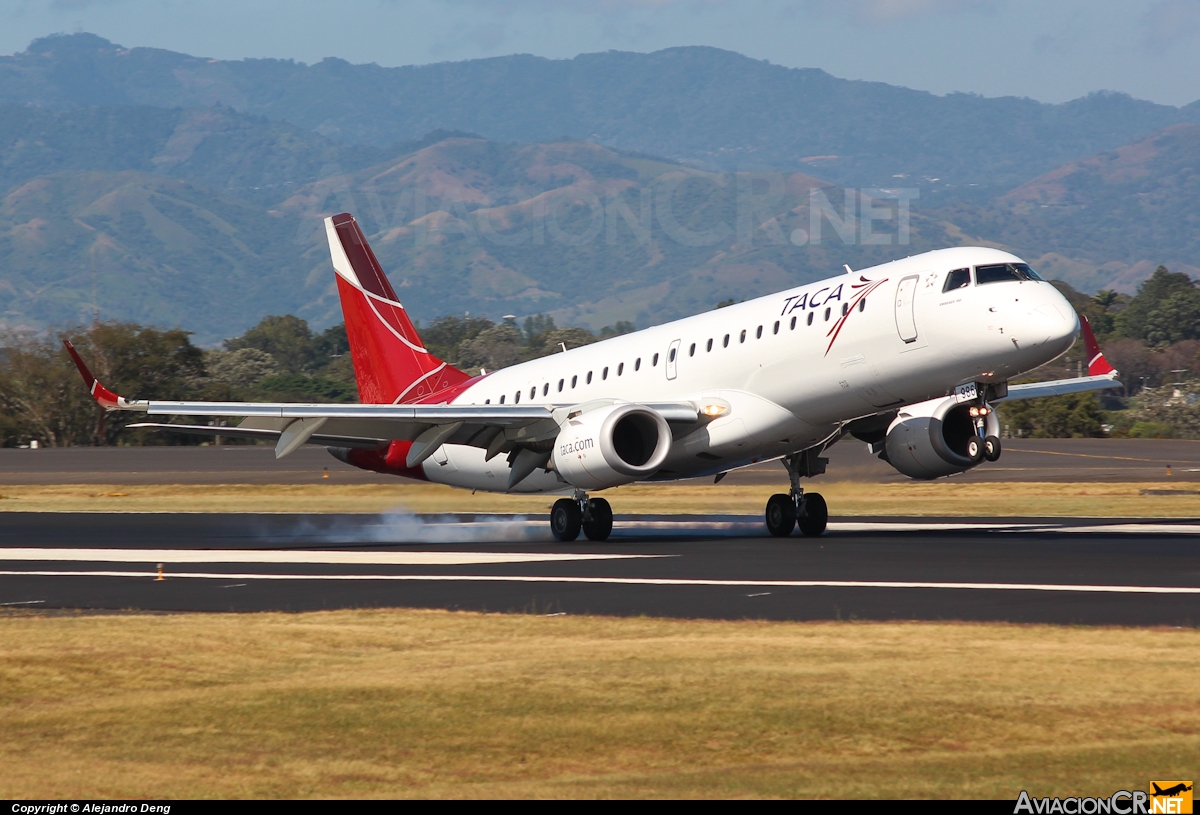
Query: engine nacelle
{"x": 929, "y": 439}
{"x": 611, "y": 445}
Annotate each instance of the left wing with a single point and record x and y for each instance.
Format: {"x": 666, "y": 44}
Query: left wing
{"x": 496, "y": 428}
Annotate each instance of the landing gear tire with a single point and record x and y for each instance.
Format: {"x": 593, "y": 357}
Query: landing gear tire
{"x": 991, "y": 448}
{"x": 781, "y": 515}
{"x": 598, "y": 525}
{"x": 975, "y": 449}
{"x": 814, "y": 515}
{"x": 565, "y": 519}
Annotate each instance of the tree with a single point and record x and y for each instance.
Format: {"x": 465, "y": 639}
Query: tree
{"x": 1175, "y": 318}
{"x": 496, "y": 347}
{"x": 241, "y": 369}
{"x": 44, "y": 398}
{"x": 1152, "y": 295}
{"x": 1056, "y": 417}
{"x": 445, "y": 336}
{"x": 287, "y": 339}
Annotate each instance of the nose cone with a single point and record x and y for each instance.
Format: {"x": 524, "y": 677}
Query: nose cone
{"x": 1052, "y": 322}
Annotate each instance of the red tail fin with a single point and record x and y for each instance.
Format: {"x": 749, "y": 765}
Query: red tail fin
{"x": 1097, "y": 364}
{"x": 390, "y": 363}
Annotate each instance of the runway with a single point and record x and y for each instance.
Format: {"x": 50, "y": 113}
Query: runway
{"x": 1055, "y": 460}
{"x": 1067, "y": 571}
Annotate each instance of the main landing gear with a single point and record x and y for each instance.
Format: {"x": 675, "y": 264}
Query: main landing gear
{"x": 807, "y": 511}
{"x": 570, "y": 515}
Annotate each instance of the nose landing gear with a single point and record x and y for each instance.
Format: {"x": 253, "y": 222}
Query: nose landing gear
{"x": 569, "y": 516}
{"x": 807, "y": 511}
{"x": 982, "y": 446}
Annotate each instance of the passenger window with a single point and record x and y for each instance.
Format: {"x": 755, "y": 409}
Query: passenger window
{"x": 810, "y": 317}
{"x": 758, "y": 333}
{"x": 574, "y": 379}
{"x": 621, "y": 369}
{"x": 546, "y": 389}
{"x": 793, "y": 328}
{"x": 708, "y": 347}
{"x": 671, "y": 358}
{"x": 654, "y": 361}
{"x": 637, "y": 364}
{"x": 487, "y": 401}
{"x": 560, "y": 386}
{"x": 502, "y": 399}
{"x": 743, "y": 337}
{"x": 862, "y": 304}
{"x": 725, "y": 342}
{"x": 692, "y": 350}
{"x": 827, "y": 313}
{"x": 604, "y": 373}
{"x": 957, "y": 279}
{"x": 776, "y": 326}
{"x": 845, "y": 309}
{"x": 517, "y": 398}
{"x": 589, "y": 378}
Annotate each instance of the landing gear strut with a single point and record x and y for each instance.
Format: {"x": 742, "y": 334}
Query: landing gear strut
{"x": 591, "y": 515}
{"x": 807, "y": 511}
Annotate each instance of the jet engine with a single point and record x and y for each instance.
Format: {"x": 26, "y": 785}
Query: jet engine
{"x": 929, "y": 440}
{"x": 611, "y": 445}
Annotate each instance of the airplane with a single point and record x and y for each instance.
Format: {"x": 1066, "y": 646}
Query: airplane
{"x": 1170, "y": 792}
{"x": 909, "y": 357}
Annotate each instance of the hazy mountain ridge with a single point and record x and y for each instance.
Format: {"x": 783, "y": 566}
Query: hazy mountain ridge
{"x": 703, "y": 105}
{"x": 1105, "y": 221}
{"x": 209, "y": 218}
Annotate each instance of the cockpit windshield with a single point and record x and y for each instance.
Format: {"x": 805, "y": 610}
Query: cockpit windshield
{"x": 1004, "y": 272}
{"x": 957, "y": 279}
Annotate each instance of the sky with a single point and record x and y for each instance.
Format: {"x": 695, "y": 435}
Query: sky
{"x": 1050, "y": 50}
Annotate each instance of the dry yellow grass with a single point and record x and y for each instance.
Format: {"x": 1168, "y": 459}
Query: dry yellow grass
{"x": 845, "y": 498}
{"x": 423, "y": 703}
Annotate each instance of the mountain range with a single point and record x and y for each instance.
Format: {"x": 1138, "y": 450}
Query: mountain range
{"x": 146, "y": 185}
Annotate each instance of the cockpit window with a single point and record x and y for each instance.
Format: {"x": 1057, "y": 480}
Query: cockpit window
{"x": 958, "y": 279}
{"x": 1004, "y": 272}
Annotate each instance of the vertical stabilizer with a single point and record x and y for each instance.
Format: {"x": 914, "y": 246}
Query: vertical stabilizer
{"x": 391, "y": 364}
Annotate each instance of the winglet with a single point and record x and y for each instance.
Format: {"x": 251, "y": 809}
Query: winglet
{"x": 1097, "y": 364}
{"x": 107, "y": 399}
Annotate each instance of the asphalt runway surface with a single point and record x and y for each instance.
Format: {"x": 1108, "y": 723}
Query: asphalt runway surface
{"x": 1066, "y": 571}
{"x": 1060, "y": 460}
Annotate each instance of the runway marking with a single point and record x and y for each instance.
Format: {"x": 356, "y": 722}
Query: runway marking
{"x": 301, "y": 557}
{"x": 635, "y": 581}
{"x": 1145, "y": 529}
{"x": 23, "y": 603}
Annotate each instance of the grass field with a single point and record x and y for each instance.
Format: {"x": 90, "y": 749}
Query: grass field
{"x": 845, "y": 498}
{"x": 425, "y": 703}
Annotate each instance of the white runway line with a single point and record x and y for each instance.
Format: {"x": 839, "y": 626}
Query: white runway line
{"x": 1145, "y": 529}
{"x": 299, "y": 557}
{"x": 635, "y": 581}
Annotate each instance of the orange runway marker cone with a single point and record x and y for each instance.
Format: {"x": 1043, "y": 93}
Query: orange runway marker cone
{"x": 160, "y": 576}
{"x": 326, "y": 473}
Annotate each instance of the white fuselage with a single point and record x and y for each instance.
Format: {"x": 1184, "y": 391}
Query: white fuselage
{"x": 792, "y": 367}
